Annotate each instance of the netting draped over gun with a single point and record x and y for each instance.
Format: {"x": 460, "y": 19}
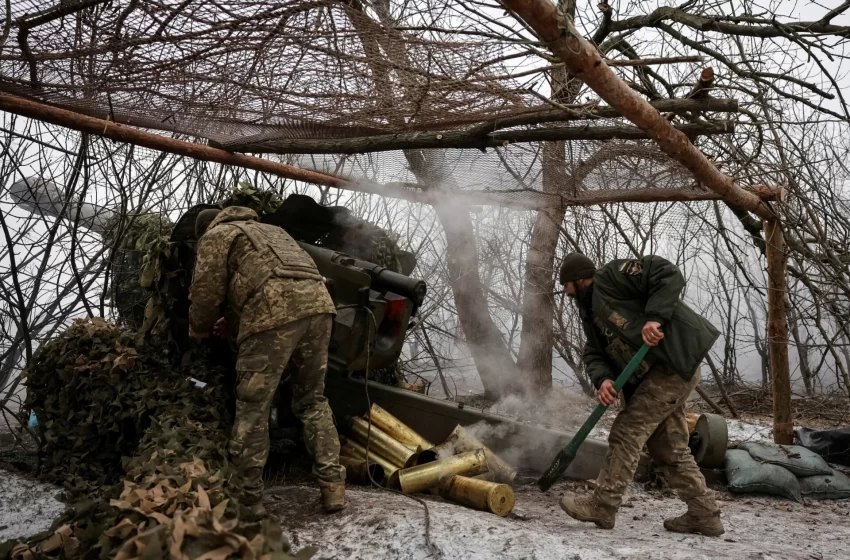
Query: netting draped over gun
{"x": 567, "y": 454}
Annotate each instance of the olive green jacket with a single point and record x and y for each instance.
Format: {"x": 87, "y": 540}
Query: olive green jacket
{"x": 628, "y": 293}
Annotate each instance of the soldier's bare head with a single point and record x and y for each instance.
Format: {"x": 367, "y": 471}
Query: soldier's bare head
{"x": 202, "y": 222}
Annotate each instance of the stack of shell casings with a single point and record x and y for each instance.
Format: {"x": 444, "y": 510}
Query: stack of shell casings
{"x": 461, "y": 469}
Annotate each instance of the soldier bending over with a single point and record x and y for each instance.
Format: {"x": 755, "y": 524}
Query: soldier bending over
{"x": 274, "y": 294}
{"x": 622, "y": 305}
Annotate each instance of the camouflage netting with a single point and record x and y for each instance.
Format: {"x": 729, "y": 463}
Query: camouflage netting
{"x": 108, "y": 411}
{"x": 307, "y": 78}
{"x": 141, "y": 246}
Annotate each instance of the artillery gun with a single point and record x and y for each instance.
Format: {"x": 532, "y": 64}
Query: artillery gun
{"x": 375, "y": 310}
{"x": 360, "y": 290}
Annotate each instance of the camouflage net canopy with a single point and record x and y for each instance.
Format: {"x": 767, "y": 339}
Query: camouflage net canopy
{"x": 294, "y": 77}
{"x": 113, "y": 414}
{"x": 141, "y": 245}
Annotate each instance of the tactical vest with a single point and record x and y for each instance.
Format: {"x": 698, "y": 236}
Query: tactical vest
{"x": 620, "y": 352}
{"x": 275, "y": 255}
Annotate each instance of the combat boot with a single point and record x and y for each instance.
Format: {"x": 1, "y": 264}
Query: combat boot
{"x": 708, "y": 525}
{"x": 588, "y": 509}
{"x": 333, "y": 495}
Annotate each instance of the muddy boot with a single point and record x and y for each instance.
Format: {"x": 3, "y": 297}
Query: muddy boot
{"x": 333, "y": 495}
{"x": 588, "y": 509}
{"x": 708, "y": 525}
{"x": 253, "y": 512}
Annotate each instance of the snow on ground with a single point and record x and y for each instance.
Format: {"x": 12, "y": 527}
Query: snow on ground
{"x": 27, "y": 506}
{"x": 378, "y": 524}
{"x": 742, "y": 431}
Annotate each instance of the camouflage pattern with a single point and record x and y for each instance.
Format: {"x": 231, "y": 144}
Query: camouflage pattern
{"x": 262, "y": 358}
{"x": 655, "y": 415}
{"x": 273, "y": 295}
{"x": 261, "y": 287}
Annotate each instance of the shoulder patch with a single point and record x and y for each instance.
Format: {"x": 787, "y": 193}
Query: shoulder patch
{"x": 631, "y": 268}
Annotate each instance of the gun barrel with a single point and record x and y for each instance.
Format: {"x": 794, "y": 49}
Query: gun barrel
{"x": 327, "y": 261}
{"x": 397, "y": 283}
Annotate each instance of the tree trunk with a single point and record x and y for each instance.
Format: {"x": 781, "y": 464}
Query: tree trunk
{"x": 777, "y": 330}
{"x": 538, "y": 302}
{"x": 802, "y": 350}
{"x": 489, "y": 351}
{"x": 535, "y": 351}
{"x": 492, "y": 358}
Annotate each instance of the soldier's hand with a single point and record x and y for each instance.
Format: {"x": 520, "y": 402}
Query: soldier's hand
{"x": 197, "y": 337}
{"x": 222, "y": 328}
{"x": 651, "y": 333}
{"x": 606, "y": 394}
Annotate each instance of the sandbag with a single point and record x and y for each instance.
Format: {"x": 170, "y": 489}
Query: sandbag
{"x": 832, "y": 445}
{"x": 748, "y": 476}
{"x": 833, "y": 486}
{"x": 799, "y": 460}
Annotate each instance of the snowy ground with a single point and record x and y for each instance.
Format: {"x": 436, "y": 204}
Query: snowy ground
{"x": 378, "y": 524}
{"x": 740, "y": 431}
{"x": 27, "y": 506}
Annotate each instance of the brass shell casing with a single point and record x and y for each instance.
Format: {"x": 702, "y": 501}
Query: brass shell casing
{"x": 424, "y": 477}
{"x": 382, "y": 443}
{"x": 461, "y": 440}
{"x": 397, "y": 429}
{"x": 478, "y": 494}
{"x": 354, "y": 450}
{"x": 357, "y": 472}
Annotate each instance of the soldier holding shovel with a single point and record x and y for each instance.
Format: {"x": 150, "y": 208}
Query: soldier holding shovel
{"x": 623, "y": 305}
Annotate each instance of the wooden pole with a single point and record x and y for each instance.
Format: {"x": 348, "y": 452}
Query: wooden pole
{"x": 411, "y": 192}
{"x": 584, "y": 61}
{"x": 476, "y": 138}
{"x": 707, "y": 398}
{"x": 777, "y": 332}
{"x": 130, "y": 135}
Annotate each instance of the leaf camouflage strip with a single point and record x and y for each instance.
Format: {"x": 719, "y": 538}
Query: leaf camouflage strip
{"x": 141, "y": 452}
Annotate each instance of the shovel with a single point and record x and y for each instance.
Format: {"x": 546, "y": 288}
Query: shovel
{"x": 568, "y": 453}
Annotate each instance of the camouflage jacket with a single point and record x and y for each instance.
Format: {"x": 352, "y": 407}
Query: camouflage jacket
{"x": 625, "y": 295}
{"x": 257, "y": 272}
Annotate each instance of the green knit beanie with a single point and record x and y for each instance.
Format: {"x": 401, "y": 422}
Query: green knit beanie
{"x": 575, "y": 267}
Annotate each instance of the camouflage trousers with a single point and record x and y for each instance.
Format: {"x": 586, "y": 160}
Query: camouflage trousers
{"x": 262, "y": 359}
{"x": 655, "y": 416}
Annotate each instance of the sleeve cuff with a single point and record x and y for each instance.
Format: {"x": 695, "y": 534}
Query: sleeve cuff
{"x": 656, "y": 318}
{"x": 598, "y": 384}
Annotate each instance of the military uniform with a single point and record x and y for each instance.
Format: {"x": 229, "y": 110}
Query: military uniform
{"x": 272, "y": 290}
{"x": 623, "y": 297}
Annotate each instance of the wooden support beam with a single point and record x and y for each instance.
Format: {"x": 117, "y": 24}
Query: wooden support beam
{"x": 412, "y": 192}
{"x": 777, "y": 332}
{"x": 463, "y": 139}
{"x": 472, "y": 136}
{"x": 121, "y": 133}
{"x": 584, "y": 61}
